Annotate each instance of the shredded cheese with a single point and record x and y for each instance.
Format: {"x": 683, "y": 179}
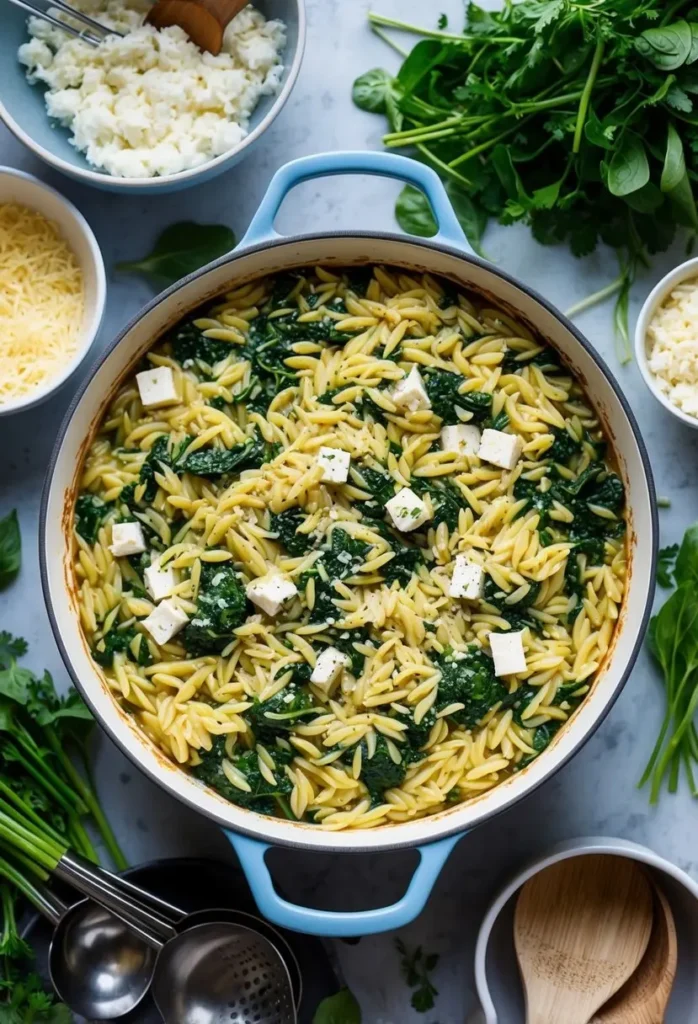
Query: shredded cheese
{"x": 41, "y": 301}
{"x": 673, "y": 358}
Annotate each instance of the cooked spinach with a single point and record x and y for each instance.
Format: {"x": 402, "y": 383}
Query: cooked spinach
{"x": 128, "y": 640}
{"x": 564, "y": 447}
{"x": 221, "y": 607}
{"x": 467, "y": 677}
{"x": 161, "y": 452}
{"x": 380, "y": 485}
{"x": 279, "y": 714}
{"x": 343, "y": 558}
{"x": 408, "y": 557}
{"x": 189, "y": 345}
{"x": 286, "y": 524}
{"x": 446, "y": 499}
{"x": 345, "y": 641}
{"x": 214, "y": 462}
{"x": 443, "y": 389}
{"x": 496, "y": 597}
{"x": 90, "y": 513}
{"x": 379, "y": 772}
{"x": 264, "y": 797}
{"x": 415, "y": 735}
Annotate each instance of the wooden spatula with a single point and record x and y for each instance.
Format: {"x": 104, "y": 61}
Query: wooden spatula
{"x": 204, "y": 21}
{"x": 645, "y": 996}
{"x": 581, "y": 928}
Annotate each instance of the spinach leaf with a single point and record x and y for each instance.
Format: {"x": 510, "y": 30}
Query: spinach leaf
{"x": 446, "y": 499}
{"x": 180, "y": 250}
{"x": 343, "y": 558}
{"x": 215, "y": 462}
{"x": 161, "y": 451}
{"x": 371, "y": 90}
{"x": 467, "y": 677}
{"x": 380, "y": 485}
{"x": 263, "y": 796}
{"x": 564, "y": 447}
{"x": 90, "y": 513}
{"x": 10, "y": 549}
{"x": 280, "y": 713}
{"x": 189, "y": 345}
{"x": 378, "y": 772}
{"x": 341, "y": 1008}
{"x": 414, "y": 214}
{"x": 221, "y": 607}
{"x": 686, "y": 570}
{"x": 443, "y": 387}
{"x": 128, "y": 640}
{"x": 629, "y": 168}
{"x": 286, "y": 524}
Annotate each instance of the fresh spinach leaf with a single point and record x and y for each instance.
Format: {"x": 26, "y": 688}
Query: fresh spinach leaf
{"x": 10, "y": 549}
{"x": 371, "y": 90}
{"x": 180, "y": 250}
{"x": 341, "y": 1008}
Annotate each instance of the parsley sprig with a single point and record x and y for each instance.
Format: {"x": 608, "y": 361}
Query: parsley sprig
{"x": 573, "y": 116}
{"x": 416, "y": 967}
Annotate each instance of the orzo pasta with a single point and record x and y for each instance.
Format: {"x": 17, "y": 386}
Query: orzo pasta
{"x": 294, "y": 566}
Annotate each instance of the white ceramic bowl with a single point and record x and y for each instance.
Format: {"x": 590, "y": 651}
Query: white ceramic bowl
{"x": 684, "y": 272}
{"x": 18, "y": 187}
{"x": 496, "y": 971}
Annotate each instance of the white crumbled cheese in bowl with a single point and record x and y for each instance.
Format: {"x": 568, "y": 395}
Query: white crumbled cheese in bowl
{"x": 151, "y": 103}
{"x": 673, "y": 347}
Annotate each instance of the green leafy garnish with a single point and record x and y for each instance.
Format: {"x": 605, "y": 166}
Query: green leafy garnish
{"x": 341, "y": 1008}
{"x": 10, "y": 549}
{"x": 416, "y": 968}
{"x": 221, "y": 607}
{"x": 467, "y": 678}
{"x": 665, "y": 565}
{"x": 264, "y": 796}
{"x": 181, "y": 249}
{"x": 90, "y": 513}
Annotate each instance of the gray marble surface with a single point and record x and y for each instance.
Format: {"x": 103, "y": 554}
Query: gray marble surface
{"x": 596, "y": 793}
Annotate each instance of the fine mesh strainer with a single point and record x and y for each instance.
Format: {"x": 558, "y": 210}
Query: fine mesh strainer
{"x": 222, "y": 974}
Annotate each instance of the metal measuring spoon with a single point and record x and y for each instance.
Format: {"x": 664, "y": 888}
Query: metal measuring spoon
{"x": 222, "y": 974}
{"x": 100, "y": 967}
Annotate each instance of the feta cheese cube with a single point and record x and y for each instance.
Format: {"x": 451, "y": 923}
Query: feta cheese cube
{"x": 328, "y": 666}
{"x": 503, "y": 450}
{"x": 165, "y": 621}
{"x": 407, "y": 510}
{"x": 410, "y": 393}
{"x": 508, "y": 653}
{"x": 157, "y": 386}
{"x": 468, "y": 579}
{"x": 463, "y": 439}
{"x": 159, "y": 581}
{"x": 127, "y": 539}
{"x": 269, "y": 592}
{"x": 335, "y": 465}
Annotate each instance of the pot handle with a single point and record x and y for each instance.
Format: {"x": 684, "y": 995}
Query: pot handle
{"x": 387, "y": 165}
{"x": 335, "y": 924}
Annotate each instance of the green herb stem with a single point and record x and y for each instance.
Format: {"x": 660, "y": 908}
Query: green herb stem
{"x": 586, "y": 94}
{"x": 12, "y": 799}
{"x": 45, "y": 853}
{"x": 9, "y": 872}
{"x": 381, "y": 19}
{"x": 386, "y": 39}
{"x": 596, "y": 297}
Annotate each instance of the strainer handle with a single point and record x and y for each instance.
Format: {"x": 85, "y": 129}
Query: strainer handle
{"x": 386, "y": 165}
{"x": 251, "y": 854}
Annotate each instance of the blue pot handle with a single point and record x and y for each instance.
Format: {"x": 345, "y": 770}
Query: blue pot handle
{"x": 388, "y": 165}
{"x": 251, "y": 854}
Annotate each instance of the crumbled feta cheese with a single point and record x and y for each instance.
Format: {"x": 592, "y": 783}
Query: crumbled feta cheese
{"x": 150, "y": 102}
{"x": 508, "y": 653}
{"x": 269, "y": 592}
{"x": 468, "y": 580}
{"x": 157, "y": 386}
{"x": 463, "y": 439}
{"x": 328, "y": 666}
{"x": 127, "y": 539}
{"x": 407, "y": 510}
{"x": 335, "y": 465}
{"x": 673, "y": 355}
{"x": 503, "y": 450}
{"x": 410, "y": 393}
{"x": 159, "y": 581}
{"x": 165, "y": 621}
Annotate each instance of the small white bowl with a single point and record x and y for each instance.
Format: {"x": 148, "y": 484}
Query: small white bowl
{"x": 18, "y": 187}
{"x": 684, "y": 272}
{"x": 496, "y": 971}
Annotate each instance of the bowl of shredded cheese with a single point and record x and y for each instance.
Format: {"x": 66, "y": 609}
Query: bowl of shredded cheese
{"x": 146, "y": 110}
{"x": 52, "y": 290}
{"x": 666, "y": 342}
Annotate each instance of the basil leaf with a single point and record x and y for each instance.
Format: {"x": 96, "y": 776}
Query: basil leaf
{"x": 371, "y": 90}
{"x": 668, "y": 47}
{"x": 629, "y": 169}
{"x": 181, "y": 249}
{"x": 341, "y": 1008}
{"x": 10, "y": 549}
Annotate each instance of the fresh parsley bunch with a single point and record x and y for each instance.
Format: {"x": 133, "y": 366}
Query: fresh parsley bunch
{"x": 573, "y": 116}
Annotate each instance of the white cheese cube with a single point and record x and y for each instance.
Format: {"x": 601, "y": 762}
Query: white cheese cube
{"x": 127, "y": 539}
{"x": 407, "y": 510}
{"x": 410, "y": 393}
{"x": 462, "y": 439}
{"x": 269, "y": 592}
{"x": 335, "y": 465}
{"x": 159, "y": 581}
{"x": 508, "y": 653}
{"x": 157, "y": 386}
{"x": 165, "y": 621}
{"x": 503, "y": 450}
{"x": 468, "y": 579}
{"x": 328, "y": 666}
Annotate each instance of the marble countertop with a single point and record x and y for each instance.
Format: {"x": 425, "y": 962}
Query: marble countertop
{"x": 594, "y": 794}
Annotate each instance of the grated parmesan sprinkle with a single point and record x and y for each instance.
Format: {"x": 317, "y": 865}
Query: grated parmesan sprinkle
{"x": 673, "y": 357}
{"x": 41, "y": 301}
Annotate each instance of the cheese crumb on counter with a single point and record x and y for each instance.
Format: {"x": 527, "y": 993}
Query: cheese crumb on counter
{"x": 335, "y": 465}
{"x": 407, "y": 510}
{"x": 165, "y": 621}
{"x": 157, "y": 387}
{"x": 673, "y": 355}
{"x": 127, "y": 539}
{"x": 151, "y": 103}
{"x": 499, "y": 448}
{"x": 508, "y": 653}
{"x": 269, "y": 592}
{"x": 328, "y": 666}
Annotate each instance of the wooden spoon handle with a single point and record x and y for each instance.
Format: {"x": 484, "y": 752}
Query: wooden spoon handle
{"x": 204, "y": 21}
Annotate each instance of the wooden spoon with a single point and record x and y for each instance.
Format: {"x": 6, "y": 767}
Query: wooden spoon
{"x": 204, "y": 21}
{"x": 581, "y": 928}
{"x": 645, "y": 996}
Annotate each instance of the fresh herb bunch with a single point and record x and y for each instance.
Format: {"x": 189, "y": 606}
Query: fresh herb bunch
{"x": 416, "y": 968}
{"x": 673, "y": 640}
{"x": 573, "y": 116}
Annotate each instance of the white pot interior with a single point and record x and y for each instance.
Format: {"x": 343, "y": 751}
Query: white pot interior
{"x": 341, "y": 251}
